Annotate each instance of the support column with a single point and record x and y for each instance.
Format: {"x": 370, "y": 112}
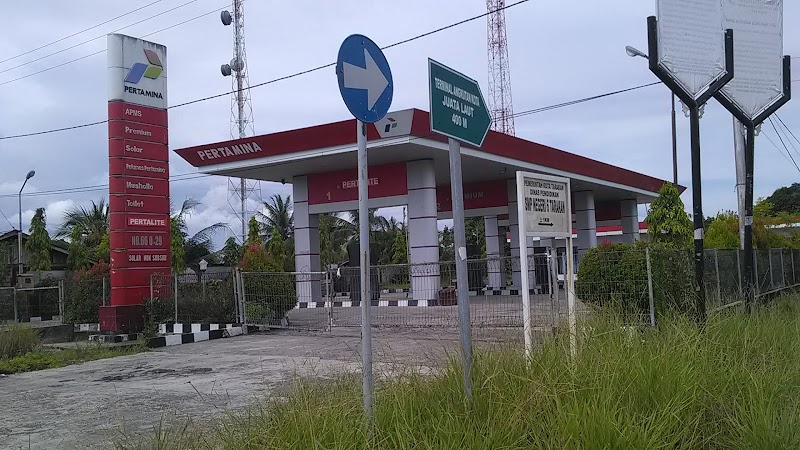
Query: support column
{"x": 423, "y": 234}
{"x": 306, "y": 246}
{"x": 493, "y": 248}
{"x": 630, "y": 221}
{"x": 585, "y": 221}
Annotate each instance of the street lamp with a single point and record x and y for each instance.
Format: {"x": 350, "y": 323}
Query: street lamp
{"x": 203, "y": 267}
{"x": 19, "y": 232}
{"x": 633, "y": 53}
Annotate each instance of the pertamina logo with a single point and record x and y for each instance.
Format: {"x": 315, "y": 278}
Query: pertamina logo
{"x": 151, "y": 70}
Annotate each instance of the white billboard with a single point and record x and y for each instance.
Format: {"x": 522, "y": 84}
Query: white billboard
{"x": 545, "y": 206}
{"x": 137, "y": 71}
{"x": 691, "y": 42}
{"x": 758, "y": 54}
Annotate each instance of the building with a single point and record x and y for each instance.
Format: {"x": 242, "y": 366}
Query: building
{"x": 409, "y": 165}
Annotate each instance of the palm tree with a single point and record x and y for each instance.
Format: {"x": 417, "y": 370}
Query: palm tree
{"x": 92, "y": 221}
{"x": 277, "y": 215}
{"x": 194, "y": 248}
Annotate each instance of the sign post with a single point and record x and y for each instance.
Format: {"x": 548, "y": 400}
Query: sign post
{"x": 544, "y": 209}
{"x": 138, "y": 178}
{"x": 693, "y": 56}
{"x": 365, "y": 82}
{"x": 459, "y": 112}
{"x": 762, "y": 85}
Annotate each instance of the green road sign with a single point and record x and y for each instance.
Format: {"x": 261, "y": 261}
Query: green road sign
{"x": 457, "y": 107}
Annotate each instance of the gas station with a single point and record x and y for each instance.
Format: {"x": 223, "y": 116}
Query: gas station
{"x": 408, "y": 166}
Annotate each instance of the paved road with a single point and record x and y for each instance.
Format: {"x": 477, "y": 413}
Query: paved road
{"x": 88, "y": 405}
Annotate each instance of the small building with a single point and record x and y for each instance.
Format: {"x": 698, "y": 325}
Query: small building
{"x": 58, "y": 257}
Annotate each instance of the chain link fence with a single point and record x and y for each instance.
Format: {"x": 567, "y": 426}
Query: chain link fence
{"x": 194, "y": 298}
{"x": 36, "y": 304}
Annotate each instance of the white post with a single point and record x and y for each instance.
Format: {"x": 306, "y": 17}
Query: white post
{"x": 523, "y": 264}
{"x": 650, "y": 289}
{"x": 175, "y": 280}
{"x": 573, "y": 320}
{"x": 366, "y": 299}
{"x": 739, "y": 149}
{"x": 553, "y": 267}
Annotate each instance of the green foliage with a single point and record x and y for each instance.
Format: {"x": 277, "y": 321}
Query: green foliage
{"x": 730, "y": 385}
{"x": 212, "y": 303}
{"x": 277, "y": 250}
{"x": 475, "y": 233}
{"x": 785, "y": 200}
{"x": 93, "y": 224}
{"x": 400, "y": 248}
{"x": 5, "y": 269}
{"x": 614, "y": 276}
{"x": 78, "y": 257}
{"x": 16, "y": 340}
{"x": 177, "y": 237}
{"x": 256, "y": 259}
{"x": 231, "y": 253}
{"x": 446, "y": 245}
{"x": 38, "y": 245}
{"x": 83, "y": 294}
{"x": 723, "y": 231}
{"x": 40, "y": 360}
{"x": 277, "y": 216}
{"x": 253, "y": 231}
{"x": 667, "y": 220}
{"x": 103, "y": 251}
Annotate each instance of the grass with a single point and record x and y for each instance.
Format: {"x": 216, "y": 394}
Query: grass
{"x": 21, "y": 351}
{"x": 733, "y": 384}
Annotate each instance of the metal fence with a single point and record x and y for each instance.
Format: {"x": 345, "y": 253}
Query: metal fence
{"x": 44, "y": 303}
{"x": 191, "y": 298}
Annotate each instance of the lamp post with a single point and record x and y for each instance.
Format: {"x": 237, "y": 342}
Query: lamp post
{"x": 633, "y": 53}
{"x": 19, "y": 232}
{"x": 203, "y": 267}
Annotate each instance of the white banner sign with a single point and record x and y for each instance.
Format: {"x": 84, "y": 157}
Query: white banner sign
{"x": 137, "y": 71}
{"x": 691, "y": 42}
{"x": 758, "y": 54}
{"x": 545, "y": 205}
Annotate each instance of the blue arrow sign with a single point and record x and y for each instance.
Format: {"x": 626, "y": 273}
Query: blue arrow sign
{"x": 365, "y": 80}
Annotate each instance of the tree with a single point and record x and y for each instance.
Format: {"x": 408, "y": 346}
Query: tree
{"x": 92, "y": 222}
{"x": 38, "y": 245}
{"x": 334, "y": 233}
{"x": 667, "y": 221}
{"x": 253, "y": 232}
{"x": 231, "y": 253}
{"x": 785, "y": 200}
{"x": 723, "y": 231}
{"x": 277, "y": 249}
{"x": 103, "y": 251}
{"x": 78, "y": 257}
{"x": 446, "y": 245}
{"x": 278, "y": 215}
{"x": 400, "y": 248}
{"x": 475, "y": 233}
{"x": 188, "y": 251}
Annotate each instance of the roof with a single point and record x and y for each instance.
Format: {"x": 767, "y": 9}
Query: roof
{"x": 280, "y": 156}
{"x": 56, "y": 244}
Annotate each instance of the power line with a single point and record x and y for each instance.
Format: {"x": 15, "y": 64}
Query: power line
{"x": 86, "y": 42}
{"x": 81, "y": 32}
{"x": 582, "y": 100}
{"x": 784, "y": 144}
{"x": 9, "y": 222}
{"x": 784, "y": 131}
{"x": 787, "y": 128}
{"x": 99, "y": 187}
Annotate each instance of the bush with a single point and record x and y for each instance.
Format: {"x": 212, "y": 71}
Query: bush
{"x": 16, "y": 340}
{"x": 268, "y": 297}
{"x": 615, "y": 275}
{"x": 29, "y": 362}
{"x": 84, "y": 294}
{"x": 216, "y": 305}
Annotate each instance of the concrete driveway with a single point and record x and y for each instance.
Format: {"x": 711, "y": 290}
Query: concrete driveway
{"x": 89, "y": 405}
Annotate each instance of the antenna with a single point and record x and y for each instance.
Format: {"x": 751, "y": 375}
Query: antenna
{"x": 241, "y": 190}
{"x": 500, "y": 104}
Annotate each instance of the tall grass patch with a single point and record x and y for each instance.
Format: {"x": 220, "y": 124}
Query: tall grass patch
{"x": 16, "y": 340}
{"x": 734, "y": 383}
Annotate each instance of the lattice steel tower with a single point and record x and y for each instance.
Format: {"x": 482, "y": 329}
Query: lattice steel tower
{"x": 240, "y": 190}
{"x": 500, "y": 104}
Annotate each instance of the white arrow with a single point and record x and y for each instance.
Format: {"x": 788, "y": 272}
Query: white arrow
{"x": 370, "y": 78}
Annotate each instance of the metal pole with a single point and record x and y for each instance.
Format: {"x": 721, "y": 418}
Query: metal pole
{"x": 523, "y": 264}
{"x": 749, "y": 288}
{"x": 175, "y": 280}
{"x": 16, "y": 312}
{"x": 650, "y": 289}
{"x": 739, "y": 271}
{"x": 674, "y": 145}
{"x": 570, "y": 284}
{"x": 19, "y": 235}
{"x": 244, "y": 303}
{"x": 366, "y": 300}
{"x": 697, "y": 202}
{"x": 739, "y": 153}
{"x": 462, "y": 283}
{"x": 554, "y": 303}
{"x": 103, "y": 298}
{"x": 716, "y": 268}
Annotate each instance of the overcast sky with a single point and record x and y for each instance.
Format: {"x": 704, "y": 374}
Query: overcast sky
{"x": 559, "y": 51}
